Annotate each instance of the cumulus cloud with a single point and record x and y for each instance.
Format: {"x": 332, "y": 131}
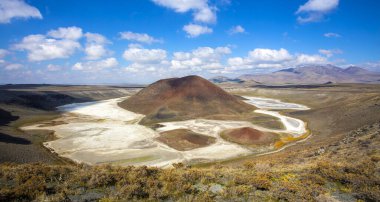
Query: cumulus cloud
{"x": 11, "y": 67}
{"x": 142, "y": 59}
{"x": 236, "y": 30}
{"x": 155, "y": 60}
{"x": 302, "y": 59}
{"x": 269, "y": 55}
{"x": 141, "y": 55}
{"x": 40, "y": 48}
{"x": 329, "y": 53}
{"x": 202, "y": 11}
{"x": 272, "y": 58}
{"x": 146, "y": 67}
{"x": 3, "y": 53}
{"x": 91, "y": 66}
{"x": 331, "y": 35}
{"x": 315, "y": 10}
{"x": 95, "y": 46}
{"x": 71, "y": 33}
{"x": 194, "y": 30}
{"x": 200, "y": 59}
{"x": 60, "y": 43}
{"x": 138, "y": 37}
{"x": 10, "y": 9}
{"x": 53, "y": 68}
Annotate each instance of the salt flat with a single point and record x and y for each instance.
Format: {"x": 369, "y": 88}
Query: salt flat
{"x": 102, "y": 132}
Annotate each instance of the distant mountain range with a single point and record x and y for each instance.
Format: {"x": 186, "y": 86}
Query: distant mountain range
{"x": 223, "y": 79}
{"x": 311, "y": 74}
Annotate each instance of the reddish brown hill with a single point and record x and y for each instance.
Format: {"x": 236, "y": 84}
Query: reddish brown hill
{"x": 184, "y": 98}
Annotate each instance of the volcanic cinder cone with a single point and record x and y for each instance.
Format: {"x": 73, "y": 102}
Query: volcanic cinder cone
{"x": 184, "y": 98}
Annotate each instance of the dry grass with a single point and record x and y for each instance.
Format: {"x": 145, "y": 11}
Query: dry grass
{"x": 57, "y": 183}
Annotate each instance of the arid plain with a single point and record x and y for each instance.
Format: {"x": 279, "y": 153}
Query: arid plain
{"x": 337, "y": 111}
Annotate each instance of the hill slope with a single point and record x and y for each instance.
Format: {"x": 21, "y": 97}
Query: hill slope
{"x": 316, "y": 74}
{"x": 184, "y": 98}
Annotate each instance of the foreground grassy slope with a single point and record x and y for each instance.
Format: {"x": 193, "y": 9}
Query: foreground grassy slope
{"x": 344, "y": 170}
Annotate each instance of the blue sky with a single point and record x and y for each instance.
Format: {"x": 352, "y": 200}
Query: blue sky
{"x": 140, "y": 41}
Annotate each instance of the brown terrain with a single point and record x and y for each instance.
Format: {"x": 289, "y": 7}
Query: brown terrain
{"x": 248, "y": 136}
{"x": 183, "y": 139}
{"x": 338, "y": 162}
{"x": 184, "y": 98}
{"x": 335, "y": 111}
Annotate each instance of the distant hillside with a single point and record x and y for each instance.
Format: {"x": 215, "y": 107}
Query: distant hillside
{"x": 223, "y": 79}
{"x": 184, "y": 98}
{"x": 317, "y": 74}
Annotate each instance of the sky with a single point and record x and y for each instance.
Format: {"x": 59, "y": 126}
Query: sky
{"x": 140, "y": 41}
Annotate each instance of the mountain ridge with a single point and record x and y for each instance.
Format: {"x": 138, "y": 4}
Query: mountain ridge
{"x": 314, "y": 74}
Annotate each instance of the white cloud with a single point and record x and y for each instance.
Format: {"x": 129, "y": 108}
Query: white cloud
{"x": 269, "y": 55}
{"x": 71, "y": 33}
{"x": 59, "y": 43}
{"x": 272, "y": 58}
{"x": 147, "y": 67}
{"x": 53, "y": 68}
{"x": 95, "y": 46}
{"x": 155, "y": 60}
{"x": 236, "y": 30}
{"x": 331, "y": 35}
{"x": 194, "y": 30}
{"x": 95, "y": 51}
{"x": 144, "y": 60}
{"x": 200, "y": 58}
{"x": 220, "y": 71}
{"x": 139, "y": 37}
{"x": 3, "y": 53}
{"x": 10, "y": 9}
{"x": 131, "y": 69}
{"x": 318, "y": 6}
{"x": 315, "y": 10}
{"x": 40, "y": 48}
{"x": 91, "y": 66}
{"x": 329, "y": 53}
{"x": 202, "y": 12}
{"x": 205, "y": 15}
{"x": 309, "y": 59}
{"x": 141, "y": 55}
{"x": 96, "y": 38}
{"x": 11, "y": 67}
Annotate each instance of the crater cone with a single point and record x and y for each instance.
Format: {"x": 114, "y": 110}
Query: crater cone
{"x": 184, "y": 98}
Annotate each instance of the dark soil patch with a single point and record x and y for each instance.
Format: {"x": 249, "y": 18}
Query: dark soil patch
{"x": 248, "y": 136}
{"x": 14, "y": 140}
{"x": 6, "y": 117}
